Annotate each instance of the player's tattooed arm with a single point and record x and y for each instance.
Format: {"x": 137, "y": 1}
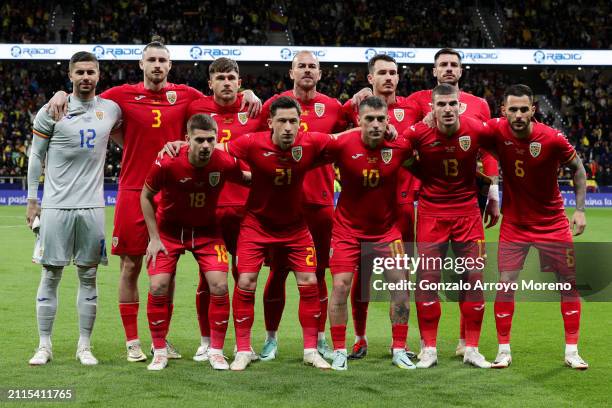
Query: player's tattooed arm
{"x": 578, "y": 223}
{"x": 252, "y": 101}
{"x": 57, "y": 107}
{"x": 155, "y": 245}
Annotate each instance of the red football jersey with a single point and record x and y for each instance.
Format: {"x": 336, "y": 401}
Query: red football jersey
{"x": 419, "y": 105}
{"x": 276, "y": 192}
{"x": 530, "y": 190}
{"x": 407, "y": 184}
{"x": 189, "y": 194}
{"x": 150, "y": 119}
{"x": 367, "y": 203}
{"x": 320, "y": 114}
{"x": 232, "y": 124}
{"x": 448, "y": 166}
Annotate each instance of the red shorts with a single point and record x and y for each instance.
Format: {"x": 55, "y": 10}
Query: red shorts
{"x": 553, "y": 241}
{"x": 465, "y": 233}
{"x": 130, "y": 235}
{"x": 228, "y": 220}
{"x": 255, "y": 243}
{"x": 208, "y": 249}
{"x": 346, "y": 248}
{"x": 319, "y": 219}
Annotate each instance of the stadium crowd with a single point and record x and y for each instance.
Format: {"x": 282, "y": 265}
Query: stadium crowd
{"x": 583, "y": 100}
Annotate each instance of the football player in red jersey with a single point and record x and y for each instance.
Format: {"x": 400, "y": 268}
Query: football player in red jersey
{"x": 154, "y": 112}
{"x": 384, "y": 77}
{"x": 447, "y": 70}
{"x": 448, "y": 211}
{"x": 366, "y": 214}
{"x": 530, "y": 154}
{"x": 233, "y": 120}
{"x": 189, "y": 187}
{"x": 274, "y": 222}
{"x": 320, "y": 113}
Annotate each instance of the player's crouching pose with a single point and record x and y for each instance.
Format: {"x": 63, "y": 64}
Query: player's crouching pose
{"x": 366, "y": 214}
{"x": 72, "y": 219}
{"x": 530, "y": 154}
{"x": 189, "y": 185}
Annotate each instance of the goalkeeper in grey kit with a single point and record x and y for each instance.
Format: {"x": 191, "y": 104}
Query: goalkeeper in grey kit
{"x": 72, "y": 151}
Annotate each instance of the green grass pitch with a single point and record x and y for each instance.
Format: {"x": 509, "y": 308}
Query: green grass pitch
{"x": 537, "y": 377}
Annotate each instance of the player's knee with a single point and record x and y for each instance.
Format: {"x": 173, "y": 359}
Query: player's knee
{"x": 158, "y": 288}
{"x": 52, "y": 273}
{"x": 306, "y": 278}
{"x": 247, "y": 281}
{"x": 87, "y": 273}
{"x": 130, "y": 267}
{"x": 341, "y": 289}
{"x": 218, "y": 288}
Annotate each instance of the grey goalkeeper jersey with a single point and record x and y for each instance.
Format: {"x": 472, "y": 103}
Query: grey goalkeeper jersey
{"x": 75, "y": 149}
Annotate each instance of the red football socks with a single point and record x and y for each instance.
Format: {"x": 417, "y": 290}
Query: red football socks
{"x": 243, "y": 305}
{"x": 218, "y": 315}
{"x": 399, "y": 333}
{"x": 428, "y": 314}
{"x": 159, "y": 319}
{"x": 309, "y": 312}
{"x": 202, "y": 302}
{"x": 129, "y": 318}
{"x": 338, "y": 335}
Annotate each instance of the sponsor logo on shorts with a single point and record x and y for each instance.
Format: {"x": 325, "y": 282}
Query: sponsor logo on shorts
{"x": 115, "y": 241}
{"x": 387, "y": 155}
{"x": 535, "y": 148}
{"x": 319, "y": 109}
{"x": 296, "y": 153}
{"x": 243, "y": 118}
{"x": 171, "y": 96}
{"x": 399, "y": 114}
{"x": 214, "y": 178}
{"x": 465, "y": 142}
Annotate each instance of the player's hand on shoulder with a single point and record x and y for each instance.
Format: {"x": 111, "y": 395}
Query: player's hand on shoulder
{"x": 155, "y": 247}
{"x": 171, "y": 149}
{"x": 57, "y": 107}
{"x": 253, "y": 102}
{"x": 363, "y": 93}
{"x": 429, "y": 120}
{"x": 578, "y": 222}
{"x": 391, "y": 133}
{"x": 32, "y": 211}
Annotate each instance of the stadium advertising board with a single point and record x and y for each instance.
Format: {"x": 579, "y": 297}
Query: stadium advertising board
{"x": 197, "y": 52}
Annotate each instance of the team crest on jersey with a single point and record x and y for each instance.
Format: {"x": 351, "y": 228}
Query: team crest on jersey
{"x": 115, "y": 242}
{"x": 535, "y": 148}
{"x": 214, "y": 178}
{"x": 243, "y": 117}
{"x": 296, "y": 152}
{"x": 387, "y": 155}
{"x": 319, "y": 109}
{"x": 171, "y": 96}
{"x": 462, "y": 107}
{"x": 465, "y": 142}
{"x": 399, "y": 114}
{"x": 100, "y": 115}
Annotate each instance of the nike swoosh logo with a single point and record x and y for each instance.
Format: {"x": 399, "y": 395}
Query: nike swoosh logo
{"x": 356, "y": 156}
{"x": 42, "y": 299}
{"x": 244, "y": 319}
{"x": 157, "y": 322}
{"x": 502, "y": 315}
{"x": 428, "y": 303}
{"x": 221, "y": 323}
{"x": 91, "y": 298}
{"x": 479, "y": 308}
{"x": 571, "y": 312}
